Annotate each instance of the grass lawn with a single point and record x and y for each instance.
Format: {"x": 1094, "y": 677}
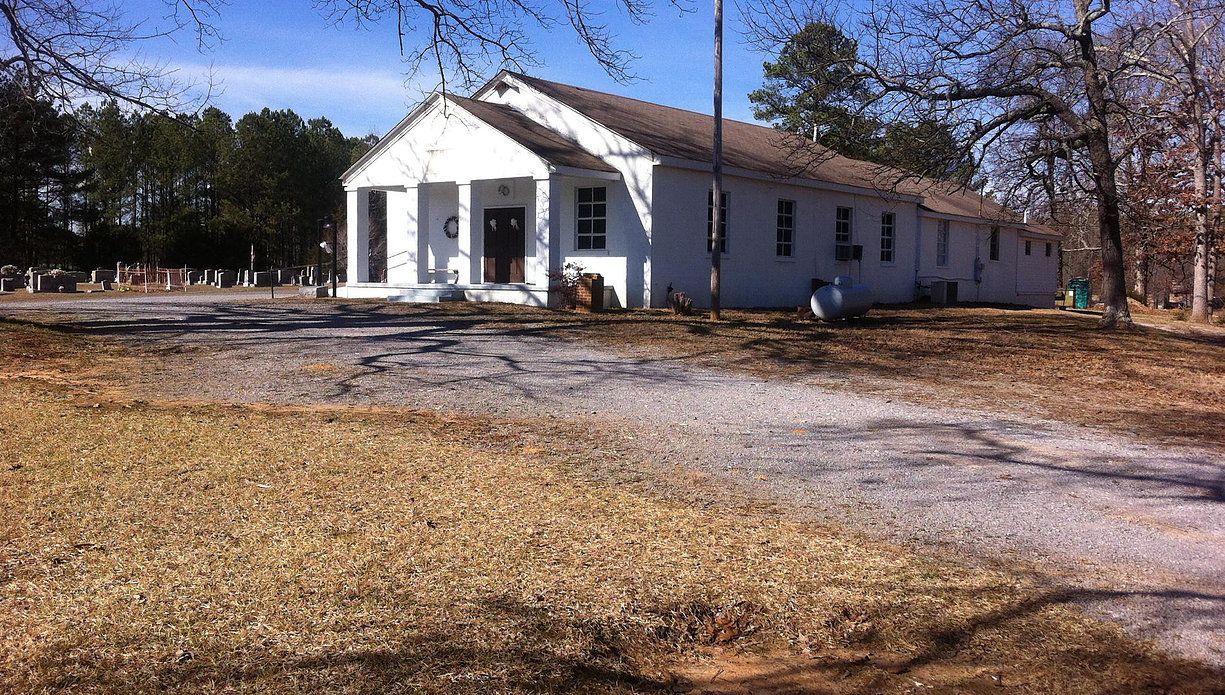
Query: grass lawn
{"x": 152, "y": 546}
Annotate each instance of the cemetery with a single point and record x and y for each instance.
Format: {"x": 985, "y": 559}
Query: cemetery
{"x": 144, "y": 278}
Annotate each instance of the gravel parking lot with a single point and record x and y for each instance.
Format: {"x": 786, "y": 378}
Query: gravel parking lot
{"x": 1136, "y": 532}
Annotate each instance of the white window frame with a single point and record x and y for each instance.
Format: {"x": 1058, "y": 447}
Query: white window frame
{"x": 993, "y": 244}
{"x": 592, "y": 218}
{"x": 942, "y": 243}
{"x": 784, "y": 248}
{"x": 1028, "y": 248}
{"x": 844, "y": 228}
{"x": 888, "y": 237}
{"x": 724, "y": 226}
{"x": 1048, "y": 249}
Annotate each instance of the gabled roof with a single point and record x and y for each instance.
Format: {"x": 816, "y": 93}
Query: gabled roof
{"x": 539, "y": 140}
{"x": 672, "y": 132}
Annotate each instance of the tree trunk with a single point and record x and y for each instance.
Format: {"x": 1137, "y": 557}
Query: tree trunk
{"x": 1199, "y": 282}
{"x": 1097, "y": 140}
{"x": 1139, "y": 284}
{"x": 1114, "y": 287}
{"x": 716, "y": 198}
{"x": 1218, "y": 189}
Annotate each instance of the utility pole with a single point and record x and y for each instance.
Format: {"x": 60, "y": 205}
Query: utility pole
{"x": 716, "y": 199}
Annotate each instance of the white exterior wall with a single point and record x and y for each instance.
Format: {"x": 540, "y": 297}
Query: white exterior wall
{"x": 1037, "y": 274}
{"x": 626, "y": 264}
{"x": 753, "y": 274}
{"x": 446, "y": 145}
{"x": 1013, "y": 279}
{"x": 623, "y": 261}
{"x": 442, "y": 201}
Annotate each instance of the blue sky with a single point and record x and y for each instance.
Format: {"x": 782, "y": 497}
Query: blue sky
{"x": 286, "y": 54}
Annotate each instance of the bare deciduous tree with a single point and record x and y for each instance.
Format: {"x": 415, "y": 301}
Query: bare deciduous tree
{"x": 1000, "y": 67}
{"x": 1185, "y": 65}
{"x": 66, "y": 50}
{"x": 463, "y": 39}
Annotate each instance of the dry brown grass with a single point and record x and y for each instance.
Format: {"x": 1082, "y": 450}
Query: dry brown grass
{"x": 164, "y": 547}
{"x": 1161, "y": 383}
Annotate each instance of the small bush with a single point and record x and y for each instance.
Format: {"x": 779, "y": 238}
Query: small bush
{"x": 1178, "y": 314}
{"x": 9, "y": 271}
{"x": 566, "y": 283}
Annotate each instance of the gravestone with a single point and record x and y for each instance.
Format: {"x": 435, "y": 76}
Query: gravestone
{"x": 8, "y": 284}
{"x": 263, "y": 278}
{"x": 224, "y": 278}
{"x": 210, "y": 276}
{"x": 194, "y": 277}
{"x": 102, "y": 275}
{"x": 53, "y": 283}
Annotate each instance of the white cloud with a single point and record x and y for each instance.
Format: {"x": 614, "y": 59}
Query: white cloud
{"x": 357, "y": 101}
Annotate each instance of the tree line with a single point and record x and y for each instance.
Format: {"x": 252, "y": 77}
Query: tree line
{"x": 88, "y": 186}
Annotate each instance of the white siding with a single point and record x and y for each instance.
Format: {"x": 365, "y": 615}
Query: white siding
{"x": 446, "y": 145}
{"x": 753, "y": 274}
{"x": 1013, "y": 279}
{"x": 627, "y": 262}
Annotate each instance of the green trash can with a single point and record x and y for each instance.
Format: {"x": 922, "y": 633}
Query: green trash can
{"x": 1080, "y": 289}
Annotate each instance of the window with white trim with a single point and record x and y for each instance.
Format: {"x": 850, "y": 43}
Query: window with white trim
{"x": 942, "y": 244}
{"x": 1027, "y": 248}
{"x": 710, "y": 218}
{"x": 887, "y": 226}
{"x": 1048, "y": 248}
{"x": 784, "y": 238}
{"x": 995, "y": 243}
{"x": 591, "y": 218}
{"x": 842, "y": 225}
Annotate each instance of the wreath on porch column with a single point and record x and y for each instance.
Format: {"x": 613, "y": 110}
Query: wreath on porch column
{"x": 451, "y": 227}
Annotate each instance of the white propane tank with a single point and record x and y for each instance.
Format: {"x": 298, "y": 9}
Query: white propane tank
{"x": 842, "y": 300}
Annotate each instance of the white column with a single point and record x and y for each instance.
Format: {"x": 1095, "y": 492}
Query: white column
{"x": 545, "y": 242}
{"x": 357, "y": 233}
{"x": 420, "y": 224}
{"x": 471, "y": 244}
{"x": 402, "y": 236}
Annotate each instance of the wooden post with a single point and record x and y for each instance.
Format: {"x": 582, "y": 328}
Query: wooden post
{"x": 716, "y": 217}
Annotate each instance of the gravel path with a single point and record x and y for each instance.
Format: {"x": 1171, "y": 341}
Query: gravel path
{"x": 1132, "y": 531}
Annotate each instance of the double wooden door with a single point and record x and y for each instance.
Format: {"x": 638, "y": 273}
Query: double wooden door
{"x": 505, "y": 244}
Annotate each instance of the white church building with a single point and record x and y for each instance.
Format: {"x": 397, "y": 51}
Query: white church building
{"x": 488, "y": 195}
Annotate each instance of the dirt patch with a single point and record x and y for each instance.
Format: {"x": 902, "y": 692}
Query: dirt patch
{"x": 185, "y": 547}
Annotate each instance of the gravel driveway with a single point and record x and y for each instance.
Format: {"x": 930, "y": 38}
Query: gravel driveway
{"x": 1134, "y": 532}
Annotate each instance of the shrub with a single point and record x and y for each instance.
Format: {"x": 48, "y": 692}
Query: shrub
{"x": 1178, "y": 314}
{"x": 9, "y": 271}
{"x": 566, "y": 283}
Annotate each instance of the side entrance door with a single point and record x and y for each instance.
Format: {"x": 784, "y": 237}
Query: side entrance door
{"x": 505, "y": 244}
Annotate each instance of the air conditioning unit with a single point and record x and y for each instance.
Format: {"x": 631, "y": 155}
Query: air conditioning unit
{"x": 944, "y": 292}
{"x": 848, "y": 252}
